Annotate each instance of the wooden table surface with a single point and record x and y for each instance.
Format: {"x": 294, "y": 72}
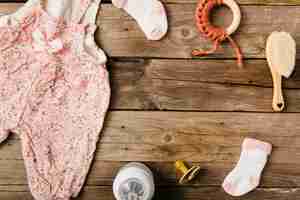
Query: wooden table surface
{"x": 166, "y": 106}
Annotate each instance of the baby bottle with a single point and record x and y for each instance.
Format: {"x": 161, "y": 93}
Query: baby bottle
{"x": 134, "y": 181}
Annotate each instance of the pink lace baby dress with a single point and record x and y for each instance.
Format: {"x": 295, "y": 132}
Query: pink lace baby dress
{"x": 54, "y": 92}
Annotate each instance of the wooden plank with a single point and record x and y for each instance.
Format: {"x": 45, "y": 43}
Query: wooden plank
{"x": 168, "y": 136}
{"x": 242, "y": 2}
{"x": 197, "y": 85}
{"x": 184, "y": 95}
{"x": 163, "y": 137}
{"x": 256, "y": 72}
{"x": 120, "y": 35}
{"x": 7, "y": 8}
{"x": 162, "y": 193}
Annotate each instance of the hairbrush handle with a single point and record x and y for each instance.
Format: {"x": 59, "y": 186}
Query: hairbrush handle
{"x": 278, "y": 101}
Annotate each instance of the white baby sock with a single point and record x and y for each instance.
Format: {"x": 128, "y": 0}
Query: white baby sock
{"x": 245, "y": 177}
{"x": 150, "y": 15}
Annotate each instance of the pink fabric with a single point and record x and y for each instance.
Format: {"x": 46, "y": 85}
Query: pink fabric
{"x": 250, "y": 143}
{"x": 55, "y": 101}
{"x": 229, "y": 188}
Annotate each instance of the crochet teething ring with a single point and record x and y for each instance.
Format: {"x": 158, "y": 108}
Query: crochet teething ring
{"x": 217, "y": 34}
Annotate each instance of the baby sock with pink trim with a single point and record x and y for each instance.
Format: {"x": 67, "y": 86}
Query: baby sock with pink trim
{"x": 245, "y": 177}
{"x": 149, "y": 14}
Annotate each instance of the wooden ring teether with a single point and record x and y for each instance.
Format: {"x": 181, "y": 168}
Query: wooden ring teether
{"x": 236, "y": 16}
{"x": 217, "y": 34}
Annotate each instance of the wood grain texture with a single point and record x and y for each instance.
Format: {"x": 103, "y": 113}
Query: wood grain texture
{"x": 168, "y": 136}
{"x": 197, "y": 85}
{"x": 120, "y": 36}
{"x": 160, "y": 138}
{"x": 203, "y": 193}
{"x": 257, "y": 72}
{"x": 12, "y": 172}
{"x": 210, "y": 139}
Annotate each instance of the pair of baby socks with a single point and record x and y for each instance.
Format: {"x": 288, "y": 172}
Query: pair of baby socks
{"x": 149, "y": 14}
{"x": 245, "y": 177}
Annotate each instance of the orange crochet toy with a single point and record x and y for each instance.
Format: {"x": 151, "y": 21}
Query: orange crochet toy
{"x": 217, "y": 34}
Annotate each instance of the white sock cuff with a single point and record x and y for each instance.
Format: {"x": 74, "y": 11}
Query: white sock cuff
{"x": 253, "y": 144}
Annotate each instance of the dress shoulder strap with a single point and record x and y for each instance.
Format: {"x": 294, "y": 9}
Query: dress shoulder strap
{"x": 91, "y": 13}
{"x": 84, "y": 11}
